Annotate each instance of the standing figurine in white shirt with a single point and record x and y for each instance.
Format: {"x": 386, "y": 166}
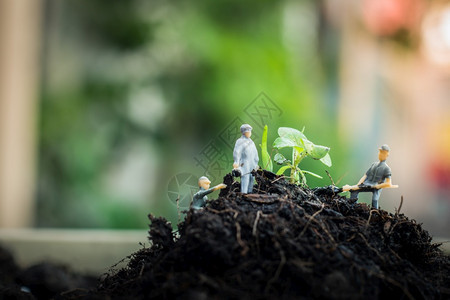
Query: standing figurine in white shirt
{"x": 245, "y": 158}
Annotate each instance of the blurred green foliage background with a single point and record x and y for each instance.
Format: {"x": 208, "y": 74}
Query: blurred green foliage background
{"x": 132, "y": 91}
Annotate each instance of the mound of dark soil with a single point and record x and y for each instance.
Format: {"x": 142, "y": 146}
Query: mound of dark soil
{"x": 41, "y": 281}
{"x": 283, "y": 242}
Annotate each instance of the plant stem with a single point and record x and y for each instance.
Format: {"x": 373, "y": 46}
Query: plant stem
{"x": 302, "y": 180}
{"x": 294, "y": 167}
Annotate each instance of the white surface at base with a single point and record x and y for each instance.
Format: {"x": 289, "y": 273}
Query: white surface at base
{"x": 87, "y": 251}
{"x": 445, "y": 244}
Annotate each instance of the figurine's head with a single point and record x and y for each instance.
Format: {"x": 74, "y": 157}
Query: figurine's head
{"x": 383, "y": 152}
{"x": 204, "y": 182}
{"x": 246, "y": 130}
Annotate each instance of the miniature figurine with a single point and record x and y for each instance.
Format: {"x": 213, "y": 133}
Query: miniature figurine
{"x": 376, "y": 178}
{"x": 245, "y": 158}
{"x": 200, "y": 198}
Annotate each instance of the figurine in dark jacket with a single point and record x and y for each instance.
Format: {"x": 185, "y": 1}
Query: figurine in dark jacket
{"x": 376, "y": 178}
{"x": 200, "y": 198}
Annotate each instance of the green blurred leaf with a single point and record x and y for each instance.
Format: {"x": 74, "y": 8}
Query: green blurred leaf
{"x": 312, "y": 174}
{"x": 292, "y": 134}
{"x": 317, "y": 151}
{"x": 281, "y": 142}
{"x": 282, "y": 170}
{"x": 326, "y": 160}
{"x": 280, "y": 159}
{"x": 266, "y": 160}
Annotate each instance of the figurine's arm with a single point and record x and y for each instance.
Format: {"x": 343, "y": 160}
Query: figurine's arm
{"x": 219, "y": 187}
{"x": 386, "y": 184}
{"x": 236, "y": 155}
{"x": 347, "y": 187}
{"x": 361, "y": 181}
{"x": 201, "y": 194}
{"x": 383, "y": 185}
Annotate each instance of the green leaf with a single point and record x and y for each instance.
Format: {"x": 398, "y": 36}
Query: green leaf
{"x": 301, "y": 147}
{"x": 313, "y": 174}
{"x": 318, "y": 152}
{"x": 279, "y": 159}
{"x": 308, "y": 145}
{"x": 326, "y": 160}
{"x": 282, "y": 170}
{"x": 281, "y": 142}
{"x": 291, "y": 133}
{"x": 294, "y": 136}
{"x": 266, "y": 160}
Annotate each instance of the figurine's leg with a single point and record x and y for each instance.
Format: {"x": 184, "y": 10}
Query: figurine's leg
{"x": 375, "y": 197}
{"x": 244, "y": 183}
{"x": 251, "y": 179}
{"x": 354, "y": 196}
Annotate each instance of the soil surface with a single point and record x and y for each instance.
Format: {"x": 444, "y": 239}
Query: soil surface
{"x": 283, "y": 242}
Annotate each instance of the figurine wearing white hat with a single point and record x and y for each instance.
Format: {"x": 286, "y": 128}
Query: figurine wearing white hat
{"x": 245, "y": 158}
{"x": 199, "y": 200}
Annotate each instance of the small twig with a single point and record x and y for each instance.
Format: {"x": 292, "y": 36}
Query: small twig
{"x": 281, "y": 177}
{"x": 280, "y": 266}
{"x": 255, "y": 224}
{"x": 401, "y": 203}
{"x": 370, "y": 216}
{"x": 141, "y": 271}
{"x": 311, "y": 218}
{"x": 223, "y": 211}
{"x": 395, "y": 254}
{"x": 317, "y": 233}
{"x": 398, "y": 223}
{"x": 74, "y": 290}
{"x": 373, "y": 249}
{"x": 239, "y": 239}
{"x": 322, "y": 225}
{"x": 259, "y": 191}
{"x": 178, "y": 208}
{"x": 351, "y": 238}
{"x": 332, "y": 181}
{"x": 394, "y": 282}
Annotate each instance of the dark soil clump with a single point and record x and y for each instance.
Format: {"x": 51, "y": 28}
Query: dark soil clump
{"x": 283, "y": 242}
{"x": 41, "y": 281}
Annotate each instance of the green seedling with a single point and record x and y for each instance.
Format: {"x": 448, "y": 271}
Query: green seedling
{"x": 301, "y": 148}
{"x": 266, "y": 159}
